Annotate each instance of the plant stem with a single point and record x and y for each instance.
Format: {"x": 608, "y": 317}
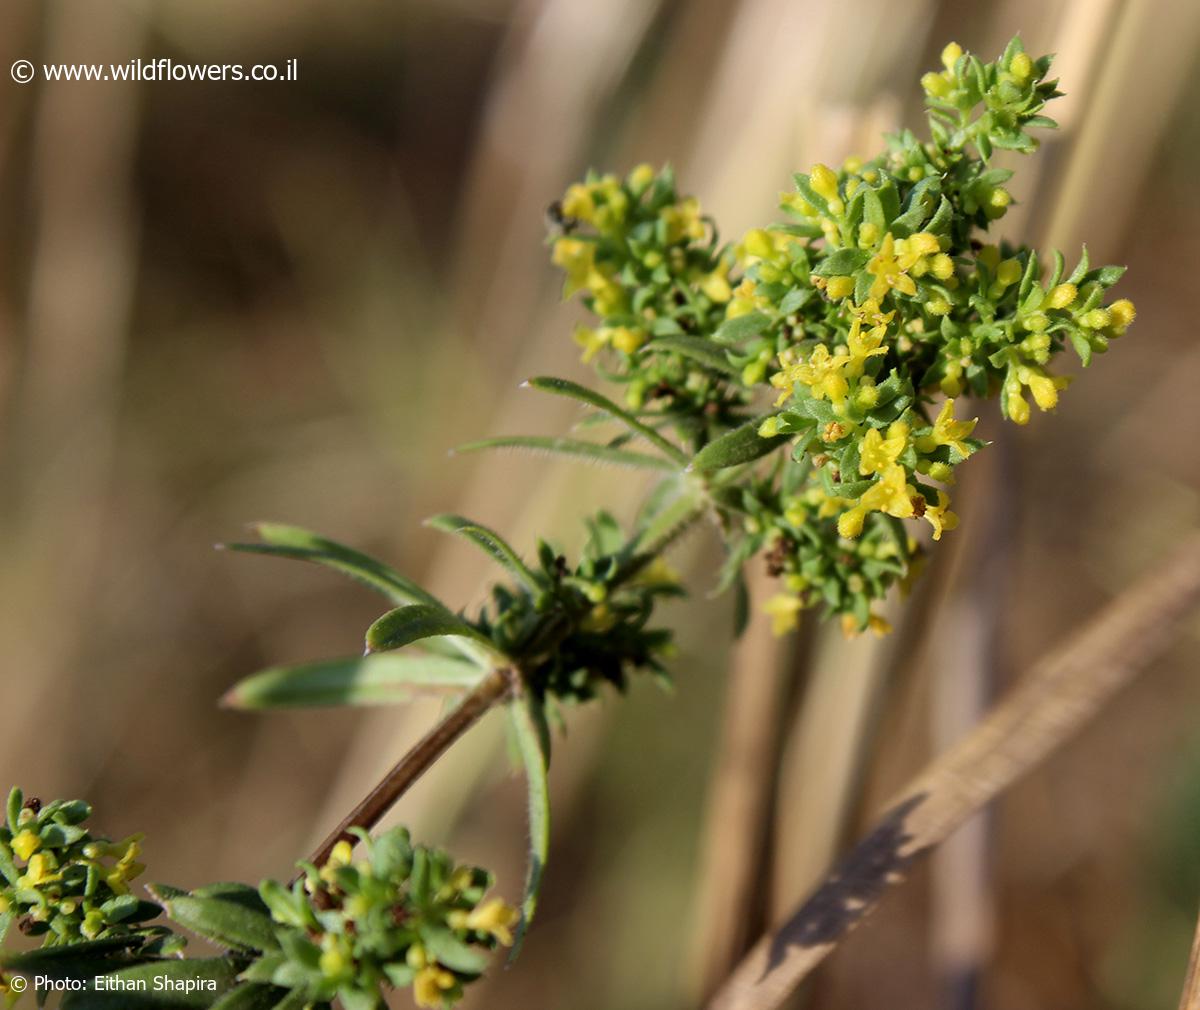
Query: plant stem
{"x": 492, "y": 689}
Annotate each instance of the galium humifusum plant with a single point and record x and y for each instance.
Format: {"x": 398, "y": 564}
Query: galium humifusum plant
{"x": 802, "y": 387}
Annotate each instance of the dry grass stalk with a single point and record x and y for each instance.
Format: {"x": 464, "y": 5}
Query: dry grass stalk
{"x": 1190, "y": 1000}
{"x": 1057, "y": 698}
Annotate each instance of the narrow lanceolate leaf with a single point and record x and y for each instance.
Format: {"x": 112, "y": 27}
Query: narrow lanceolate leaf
{"x": 526, "y": 721}
{"x": 251, "y": 996}
{"x": 405, "y": 625}
{"x": 564, "y": 387}
{"x": 211, "y": 978}
{"x": 670, "y": 520}
{"x": 225, "y": 920}
{"x": 707, "y": 352}
{"x": 384, "y": 679}
{"x": 492, "y": 544}
{"x": 294, "y": 542}
{"x": 742, "y": 445}
{"x": 576, "y": 449}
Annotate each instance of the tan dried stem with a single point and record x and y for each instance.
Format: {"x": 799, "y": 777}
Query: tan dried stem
{"x": 1190, "y": 1000}
{"x": 1057, "y": 697}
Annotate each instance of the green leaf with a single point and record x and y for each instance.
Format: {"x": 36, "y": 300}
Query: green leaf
{"x": 251, "y": 996}
{"x": 209, "y": 978}
{"x": 385, "y": 679}
{"x": 741, "y": 445}
{"x": 525, "y": 723}
{"x": 573, "y": 447}
{"x": 708, "y": 352}
{"x": 735, "y": 330}
{"x": 564, "y": 387}
{"x": 71, "y": 960}
{"x": 294, "y": 542}
{"x": 842, "y": 263}
{"x": 405, "y": 625}
{"x": 224, "y": 920}
{"x": 453, "y": 953}
{"x": 492, "y": 544}
{"x": 673, "y": 515}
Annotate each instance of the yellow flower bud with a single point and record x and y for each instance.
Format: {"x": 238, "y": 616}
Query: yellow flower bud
{"x": 942, "y": 267}
{"x": 937, "y": 305}
{"x": 1097, "y": 319}
{"x": 839, "y": 287}
{"x": 1122, "y": 312}
{"x": 1062, "y": 296}
{"x": 824, "y": 181}
{"x": 1009, "y": 272}
{"x": 769, "y": 428}
{"x": 935, "y": 85}
{"x": 641, "y": 177}
{"x": 923, "y": 243}
{"x": 951, "y": 54}
{"x": 1021, "y": 67}
{"x": 627, "y": 340}
{"x": 868, "y": 235}
{"x": 26, "y": 844}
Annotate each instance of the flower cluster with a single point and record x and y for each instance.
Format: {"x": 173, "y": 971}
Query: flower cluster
{"x": 877, "y": 300}
{"x": 649, "y": 265}
{"x": 406, "y": 915}
{"x": 60, "y": 882}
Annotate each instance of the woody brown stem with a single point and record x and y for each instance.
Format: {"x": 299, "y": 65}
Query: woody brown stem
{"x": 491, "y": 690}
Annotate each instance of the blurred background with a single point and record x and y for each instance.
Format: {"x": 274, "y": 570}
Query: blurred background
{"x": 225, "y": 302}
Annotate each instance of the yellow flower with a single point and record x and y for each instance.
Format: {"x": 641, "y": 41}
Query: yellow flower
{"x": 429, "y": 985}
{"x": 39, "y": 871}
{"x": 25, "y": 844}
{"x": 878, "y": 453}
{"x": 716, "y": 284}
{"x": 683, "y": 221}
{"x": 495, "y": 917}
{"x": 890, "y": 494}
{"x": 940, "y": 517}
{"x": 578, "y": 202}
{"x": 784, "y": 611}
{"x": 877, "y": 625}
{"x": 578, "y": 260}
{"x": 948, "y": 431}
{"x": 127, "y": 867}
{"x": 592, "y": 341}
{"x": 888, "y": 272}
{"x": 864, "y": 345}
{"x": 822, "y": 373}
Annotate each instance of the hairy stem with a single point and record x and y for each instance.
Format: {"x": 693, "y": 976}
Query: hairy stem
{"x": 491, "y": 690}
